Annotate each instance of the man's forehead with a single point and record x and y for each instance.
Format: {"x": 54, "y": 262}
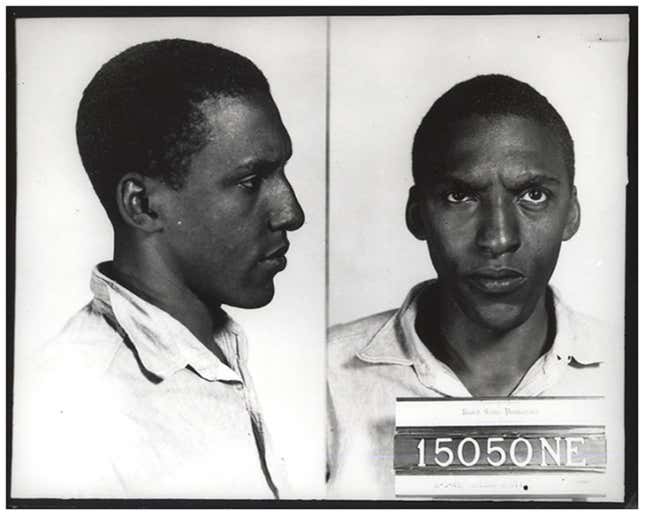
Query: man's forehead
{"x": 500, "y": 130}
{"x": 249, "y": 126}
{"x": 241, "y": 112}
{"x": 514, "y": 162}
{"x": 518, "y": 146}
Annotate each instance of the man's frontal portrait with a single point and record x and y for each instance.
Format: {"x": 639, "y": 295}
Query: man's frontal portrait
{"x": 148, "y": 391}
{"x": 493, "y": 198}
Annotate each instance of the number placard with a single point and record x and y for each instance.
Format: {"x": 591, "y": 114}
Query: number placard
{"x": 512, "y": 452}
{"x": 500, "y": 448}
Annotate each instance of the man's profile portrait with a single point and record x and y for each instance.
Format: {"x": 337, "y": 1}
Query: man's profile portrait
{"x": 147, "y": 391}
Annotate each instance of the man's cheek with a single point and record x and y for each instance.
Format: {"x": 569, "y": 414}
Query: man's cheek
{"x": 454, "y": 248}
{"x": 546, "y": 245}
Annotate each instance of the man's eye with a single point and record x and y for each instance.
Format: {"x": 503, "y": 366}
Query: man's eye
{"x": 251, "y": 183}
{"x": 534, "y": 196}
{"x": 458, "y": 197}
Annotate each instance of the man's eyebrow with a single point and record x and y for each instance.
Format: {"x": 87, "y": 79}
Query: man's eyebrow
{"x": 523, "y": 180}
{"x": 457, "y": 183}
{"x": 530, "y": 179}
{"x": 261, "y": 166}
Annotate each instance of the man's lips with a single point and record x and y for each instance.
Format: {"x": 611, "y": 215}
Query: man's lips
{"x": 276, "y": 259}
{"x": 496, "y": 281}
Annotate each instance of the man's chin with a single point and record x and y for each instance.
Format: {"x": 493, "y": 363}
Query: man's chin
{"x": 497, "y": 313}
{"x": 499, "y": 318}
{"x": 253, "y": 297}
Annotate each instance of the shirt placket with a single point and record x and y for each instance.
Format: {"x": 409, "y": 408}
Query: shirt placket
{"x": 541, "y": 375}
{"x": 248, "y": 396}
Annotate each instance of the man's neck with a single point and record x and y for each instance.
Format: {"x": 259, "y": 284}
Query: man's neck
{"x": 489, "y": 363}
{"x": 145, "y": 275}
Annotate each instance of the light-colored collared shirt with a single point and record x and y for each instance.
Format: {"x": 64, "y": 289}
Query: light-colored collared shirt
{"x": 374, "y": 360}
{"x": 126, "y": 402}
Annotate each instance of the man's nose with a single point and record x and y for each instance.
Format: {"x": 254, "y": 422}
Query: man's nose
{"x": 286, "y": 212}
{"x": 498, "y": 228}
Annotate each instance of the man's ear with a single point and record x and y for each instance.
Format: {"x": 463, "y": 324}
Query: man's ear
{"x": 137, "y": 209}
{"x": 413, "y": 217}
{"x": 573, "y": 217}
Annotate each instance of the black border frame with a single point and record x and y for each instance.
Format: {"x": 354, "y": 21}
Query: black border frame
{"x": 631, "y": 249}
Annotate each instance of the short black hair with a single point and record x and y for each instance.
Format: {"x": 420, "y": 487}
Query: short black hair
{"x": 141, "y": 111}
{"x": 486, "y": 95}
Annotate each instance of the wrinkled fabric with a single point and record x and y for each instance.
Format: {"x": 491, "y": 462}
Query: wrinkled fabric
{"x": 374, "y": 360}
{"x": 127, "y": 403}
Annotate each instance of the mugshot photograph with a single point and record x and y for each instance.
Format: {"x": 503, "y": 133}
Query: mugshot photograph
{"x": 169, "y": 180}
{"x": 336, "y": 257}
{"x": 477, "y": 239}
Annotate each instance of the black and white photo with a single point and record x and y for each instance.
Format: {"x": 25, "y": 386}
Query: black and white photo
{"x": 209, "y": 168}
{"x": 364, "y": 257}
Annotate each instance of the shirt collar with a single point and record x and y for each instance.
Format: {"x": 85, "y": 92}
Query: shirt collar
{"x": 163, "y": 344}
{"x": 391, "y": 344}
{"x": 397, "y": 341}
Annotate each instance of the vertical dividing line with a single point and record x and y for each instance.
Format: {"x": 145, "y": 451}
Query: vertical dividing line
{"x": 327, "y": 196}
{"x": 11, "y": 194}
{"x": 327, "y": 180}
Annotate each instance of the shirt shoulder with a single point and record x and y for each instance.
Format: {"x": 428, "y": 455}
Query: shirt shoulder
{"x": 86, "y": 346}
{"x": 593, "y": 350}
{"x": 61, "y": 419}
{"x": 345, "y": 340}
{"x": 80, "y": 369}
{"x": 591, "y": 340}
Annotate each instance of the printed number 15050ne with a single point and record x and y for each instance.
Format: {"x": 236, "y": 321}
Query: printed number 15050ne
{"x": 498, "y": 451}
